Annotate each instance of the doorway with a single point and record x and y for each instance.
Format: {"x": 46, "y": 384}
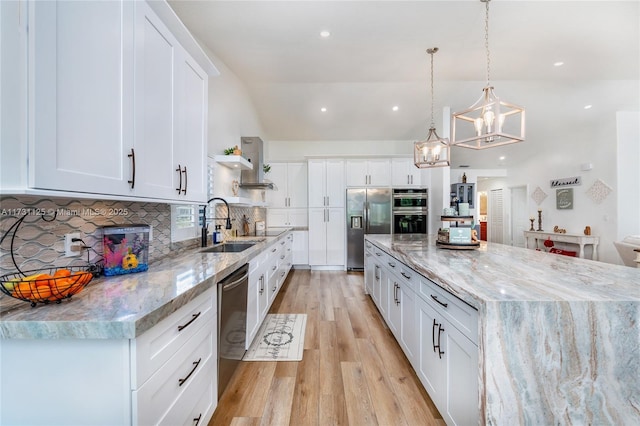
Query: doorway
{"x": 518, "y": 209}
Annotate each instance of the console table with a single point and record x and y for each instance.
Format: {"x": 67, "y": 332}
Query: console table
{"x": 581, "y": 240}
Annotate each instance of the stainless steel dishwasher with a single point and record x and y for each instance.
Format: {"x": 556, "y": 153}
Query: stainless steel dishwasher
{"x": 232, "y": 324}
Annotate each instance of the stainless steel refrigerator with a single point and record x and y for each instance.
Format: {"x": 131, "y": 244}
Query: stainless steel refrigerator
{"x": 368, "y": 212}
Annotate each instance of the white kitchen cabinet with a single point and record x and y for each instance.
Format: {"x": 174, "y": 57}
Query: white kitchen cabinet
{"x": 404, "y": 173}
{"x": 326, "y": 183}
{"x": 326, "y": 237}
{"x": 287, "y": 217}
{"x": 447, "y": 361}
{"x": 369, "y": 268}
{"x": 140, "y": 132}
{"x": 170, "y": 114}
{"x": 81, "y": 95}
{"x": 256, "y": 289}
{"x": 117, "y": 381}
{"x": 290, "y": 181}
{"x": 368, "y": 172}
{"x": 300, "y": 247}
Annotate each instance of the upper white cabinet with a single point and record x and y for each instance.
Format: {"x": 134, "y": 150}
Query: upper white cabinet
{"x": 326, "y": 183}
{"x": 368, "y": 172}
{"x": 170, "y": 114}
{"x": 81, "y": 61}
{"x": 116, "y": 105}
{"x": 290, "y": 180}
{"x": 405, "y": 173}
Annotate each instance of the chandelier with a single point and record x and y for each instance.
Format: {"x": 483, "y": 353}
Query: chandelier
{"x": 490, "y": 122}
{"x": 434, "y": 150}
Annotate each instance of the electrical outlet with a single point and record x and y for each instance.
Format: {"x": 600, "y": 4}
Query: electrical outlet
{"x": 72, "y": 248}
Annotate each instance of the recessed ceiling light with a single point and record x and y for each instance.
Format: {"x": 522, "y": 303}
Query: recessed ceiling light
{"x": 395, "y": 108}
{"x": 558, "y": 64}
{"x": 502, "y": 157}
{"x": 588, "y": 106}
{"x": 323, "y": 109}
{"x": 325, "y": 34}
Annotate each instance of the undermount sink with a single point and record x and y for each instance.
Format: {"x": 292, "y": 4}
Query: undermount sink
{"x": 228, "y": 248}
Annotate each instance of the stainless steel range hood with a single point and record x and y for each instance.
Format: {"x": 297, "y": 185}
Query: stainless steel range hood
{"x": 252, "y": 151}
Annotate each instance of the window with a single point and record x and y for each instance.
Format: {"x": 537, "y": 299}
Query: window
{"x": 184, "y": 222}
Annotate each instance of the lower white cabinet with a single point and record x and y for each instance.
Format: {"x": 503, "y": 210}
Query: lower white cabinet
{"x": 437, "y": 332}
{"x": 174, "y": 361}
{"x": 167, "y": 375}
{"x": 256, "y": 294}
{"x": 300, "y": 247}
{"x": 326, "y": 236}
{"x": 448, "y": 367}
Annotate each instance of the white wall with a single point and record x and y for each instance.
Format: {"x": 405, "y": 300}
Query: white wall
{"x": 628, "y": 155}
{"x": 298, "y": 150}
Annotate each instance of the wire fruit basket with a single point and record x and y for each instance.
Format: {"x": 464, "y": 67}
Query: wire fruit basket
{"x": 46, "y": 285}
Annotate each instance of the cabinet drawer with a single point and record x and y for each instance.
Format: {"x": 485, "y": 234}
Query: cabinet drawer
{"x": 461, "y": 315}
{"x": 153, "y": 399}
{"x": 154, "y": 347}
{"x": 196, "y": 404}
{"x": 411, "y": 277}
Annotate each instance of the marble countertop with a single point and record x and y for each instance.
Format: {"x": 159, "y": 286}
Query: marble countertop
{"x": 125, "y": 306}
{"x": 559, "y": 336}
{"x": 501, "y": 273}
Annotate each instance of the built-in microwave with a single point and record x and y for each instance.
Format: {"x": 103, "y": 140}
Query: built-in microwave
{"x": 410, "y": 198}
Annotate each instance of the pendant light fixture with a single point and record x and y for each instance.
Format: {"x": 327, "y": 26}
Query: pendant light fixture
{"x": 433, "y": 151}
{"x": 490, "y": 122}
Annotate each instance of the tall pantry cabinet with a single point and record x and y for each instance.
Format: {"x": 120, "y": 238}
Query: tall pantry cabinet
{"x": 326, "y": 212}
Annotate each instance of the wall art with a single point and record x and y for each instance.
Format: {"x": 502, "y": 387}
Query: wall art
{"x": 599, "y": 191}
{"x": 564, "y": 199}
{"x": 538, "y": 195}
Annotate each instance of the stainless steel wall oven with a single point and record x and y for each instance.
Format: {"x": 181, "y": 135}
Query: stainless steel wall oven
{"x": 410, "y": 210}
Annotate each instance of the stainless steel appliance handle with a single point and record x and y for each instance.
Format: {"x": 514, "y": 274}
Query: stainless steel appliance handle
{"x": 410, "y": 211}
{"x": 234, "y": 284}
{"x": 366, "y": 217}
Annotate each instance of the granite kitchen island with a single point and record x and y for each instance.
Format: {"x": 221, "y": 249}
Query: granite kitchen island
{"x": 558, "y": 337}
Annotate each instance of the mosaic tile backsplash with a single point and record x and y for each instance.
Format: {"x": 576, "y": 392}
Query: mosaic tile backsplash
{"x": 39, "y": 240}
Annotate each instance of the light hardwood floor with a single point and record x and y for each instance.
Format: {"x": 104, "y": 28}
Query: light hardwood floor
{"x": 352, "y": 373}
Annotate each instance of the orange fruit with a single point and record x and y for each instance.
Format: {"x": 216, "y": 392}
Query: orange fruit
{"x": 62, "y": 273}
{"x": 22, "y": 290}
{"x": 42, "y": 292}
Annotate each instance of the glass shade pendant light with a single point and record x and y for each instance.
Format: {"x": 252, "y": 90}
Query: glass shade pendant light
{"x": 433, "y": 151}
{"x": 490, "y": 122}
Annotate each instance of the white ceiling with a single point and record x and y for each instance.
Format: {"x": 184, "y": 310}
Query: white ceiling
{"x": 376, "y": 58}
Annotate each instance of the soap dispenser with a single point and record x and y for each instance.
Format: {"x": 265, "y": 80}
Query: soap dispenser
{"x": 217, "y": 235}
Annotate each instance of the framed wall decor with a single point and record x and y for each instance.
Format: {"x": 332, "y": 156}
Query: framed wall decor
{"x": 564, "y": 199}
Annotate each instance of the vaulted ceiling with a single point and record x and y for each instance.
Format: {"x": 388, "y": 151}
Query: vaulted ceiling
{"x": 375, "y": 58}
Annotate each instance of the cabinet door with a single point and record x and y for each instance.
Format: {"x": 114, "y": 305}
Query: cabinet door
{"x": 377, "y": 282}
{"x": 335, "y": 237}
{"x": 404, "y": 173}
{"x": 357, "y": 173}
{"x": 335, "y": 188}
{"x": 156, "y": 48}
{"x": 369, "y": 270}
{"x": 191, "y": 128}
{"x": 81, "y": 92}
{"x": 297, "y": 217}
{"x": 317, "y": 183}
{"x": 297, "y": 184}
{"x": 300, "y": 247}
{"x": 317, "y": 236}
{"x": 394, "y": 314}
{"x": 408, "y": 327}
{"x": 256, "y": 285}
{"x": 431, "y": 369}
{"x": 379, "y": 172}
{"x": 277, "y": 218}
{"x": 277, "y": 198}
{"x": 462, "y": 378}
